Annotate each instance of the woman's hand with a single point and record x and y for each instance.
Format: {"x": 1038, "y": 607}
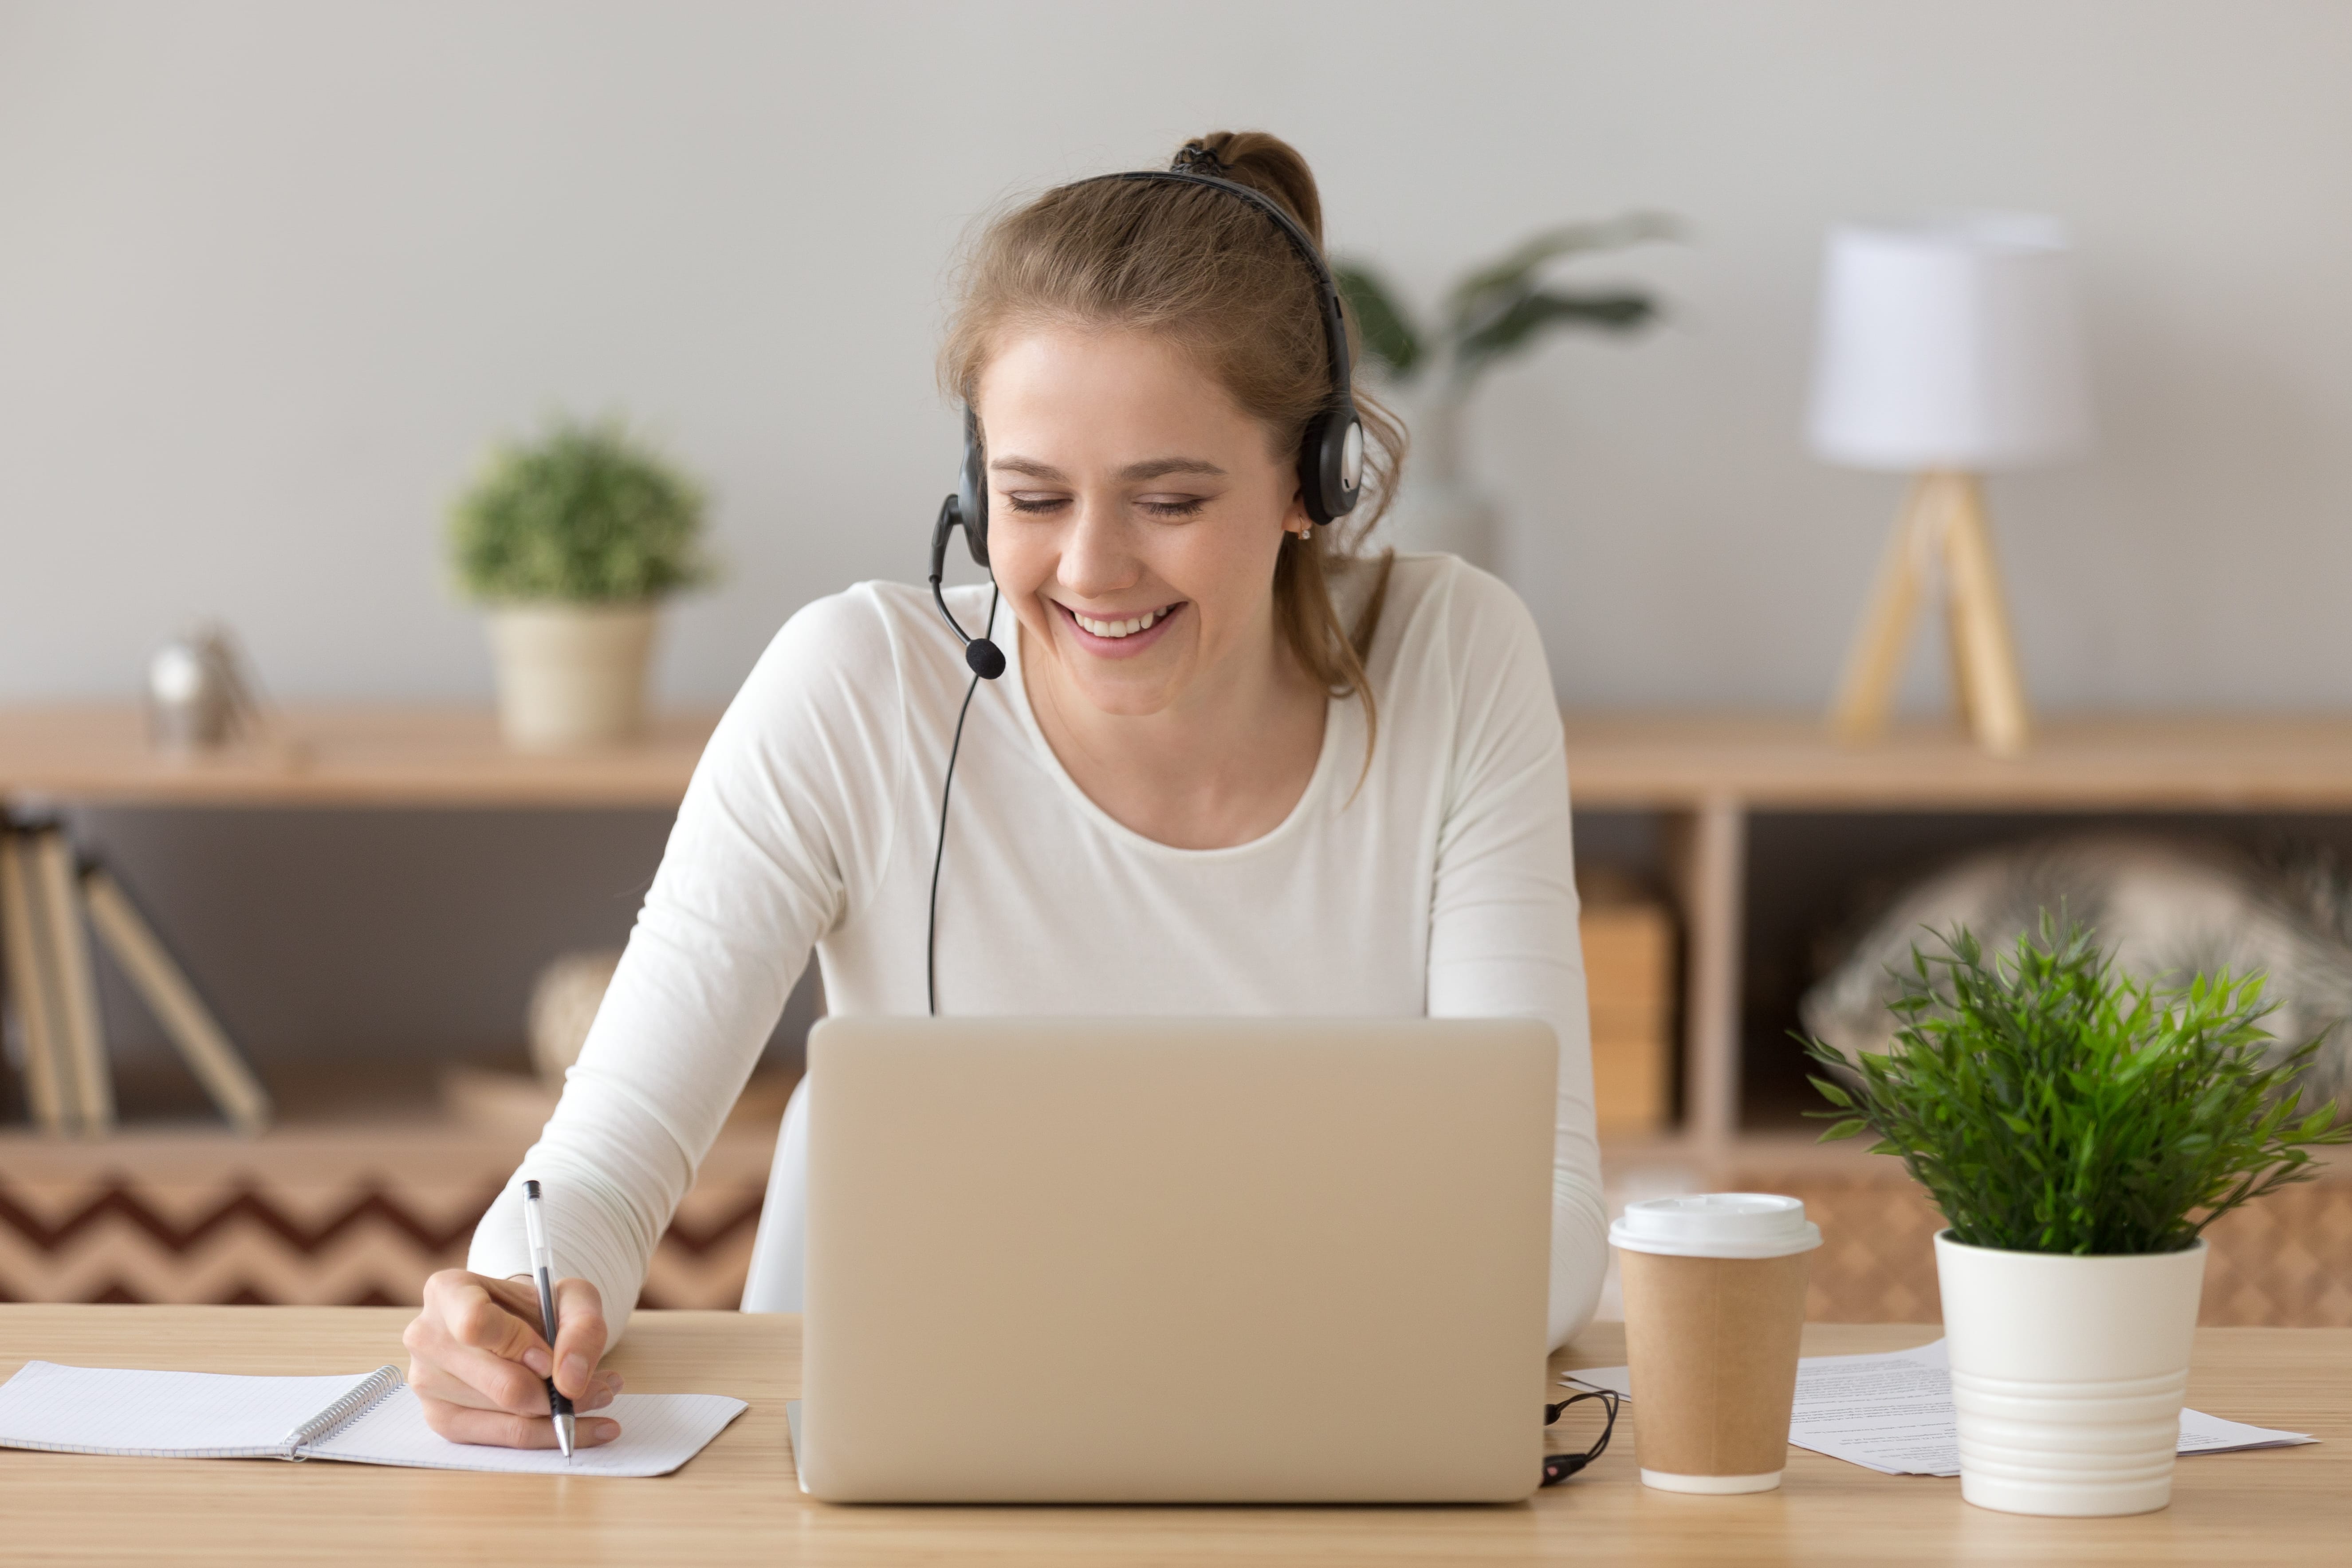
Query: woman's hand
{"x": 476, "y": 1359}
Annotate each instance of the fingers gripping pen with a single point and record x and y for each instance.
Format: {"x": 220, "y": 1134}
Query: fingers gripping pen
{"x": 542, "y": 1269}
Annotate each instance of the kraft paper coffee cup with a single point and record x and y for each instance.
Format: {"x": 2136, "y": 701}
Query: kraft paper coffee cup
{"x": 1715, "y": 1302}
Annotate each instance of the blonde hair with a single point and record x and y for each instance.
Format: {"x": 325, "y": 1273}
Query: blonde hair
{"x": 1218, "y": 276}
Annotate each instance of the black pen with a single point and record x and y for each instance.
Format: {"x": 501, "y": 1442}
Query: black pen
{"x": 543, "y": 1268}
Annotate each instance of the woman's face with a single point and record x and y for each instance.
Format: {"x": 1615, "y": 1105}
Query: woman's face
{"x": 1134, "y": 516}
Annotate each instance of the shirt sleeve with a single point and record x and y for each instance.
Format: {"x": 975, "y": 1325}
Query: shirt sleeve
{"x": 784, "y": 829}
{"x": 1504, "y": 941}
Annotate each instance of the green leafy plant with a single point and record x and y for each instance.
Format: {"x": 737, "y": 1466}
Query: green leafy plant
{"x": 2050, "y": 1104}
{"x": 1503, "y": 307}
{"x": 586, "y": 514}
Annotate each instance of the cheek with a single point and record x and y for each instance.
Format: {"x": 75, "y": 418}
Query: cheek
{"x": 1232, "y": 577}
{"x": 1016, "y": 560}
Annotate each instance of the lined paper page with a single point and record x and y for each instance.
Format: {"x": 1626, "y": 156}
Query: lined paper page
{"x": 160, "y": 1415}
{"x": 659, "y": 1432}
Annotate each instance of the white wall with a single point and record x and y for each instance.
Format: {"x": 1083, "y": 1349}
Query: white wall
{"x": 270, "y": 274}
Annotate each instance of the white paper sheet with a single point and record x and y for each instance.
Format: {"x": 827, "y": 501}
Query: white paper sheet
{"x": 209, "y": 1415}
{"x": 1892, "y": 1413}
{"x": 659, "y": 1432}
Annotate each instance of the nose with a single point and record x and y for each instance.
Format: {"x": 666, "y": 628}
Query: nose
{"x": 1097, "y": 558}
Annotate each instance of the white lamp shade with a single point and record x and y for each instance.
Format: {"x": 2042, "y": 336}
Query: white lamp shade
{"x": 1951, "y": 344}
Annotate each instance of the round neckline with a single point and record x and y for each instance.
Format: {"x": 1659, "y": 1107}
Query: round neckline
{"x": 1016, "y": 670}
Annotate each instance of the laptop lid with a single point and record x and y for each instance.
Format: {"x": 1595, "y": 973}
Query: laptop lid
{"x": 1176, "y": 1260}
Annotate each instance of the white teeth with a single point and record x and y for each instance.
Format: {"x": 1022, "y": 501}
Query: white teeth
{"x": 1117, "y": 628}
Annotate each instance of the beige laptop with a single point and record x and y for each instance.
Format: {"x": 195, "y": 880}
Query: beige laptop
{"x": 1216, "y": 1260}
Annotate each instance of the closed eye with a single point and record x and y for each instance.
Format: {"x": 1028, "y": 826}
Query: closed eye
{"x": 1035, "y": 503}
{"x": 1154, "y": 506}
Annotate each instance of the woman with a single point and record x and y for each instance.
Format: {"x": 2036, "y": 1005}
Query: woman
{"x": 1230, "y": 767}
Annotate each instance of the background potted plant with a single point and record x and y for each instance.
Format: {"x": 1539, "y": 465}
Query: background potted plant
{"x": 1497, "y": 311}
{"x": 2079, "y": 1129}
{"x": 571, "y": 541}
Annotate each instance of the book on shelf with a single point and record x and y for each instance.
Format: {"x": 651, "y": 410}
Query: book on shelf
{"x": 22, "y": 946}
{"x": 75, "y": 1018}
{"x": 45, "y": 896}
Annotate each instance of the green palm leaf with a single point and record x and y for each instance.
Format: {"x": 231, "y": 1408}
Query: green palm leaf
{"x": 1518, "y": 323}
{"x": 1514, "y": 273}
{"x": 1387, "y": 332}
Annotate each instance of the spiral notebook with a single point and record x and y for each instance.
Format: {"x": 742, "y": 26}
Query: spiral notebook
{"x": 369, "y": 1419}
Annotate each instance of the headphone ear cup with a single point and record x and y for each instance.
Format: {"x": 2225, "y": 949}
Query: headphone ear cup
{"x": 971, "y": 492}
{"x": 1331, "y": 462}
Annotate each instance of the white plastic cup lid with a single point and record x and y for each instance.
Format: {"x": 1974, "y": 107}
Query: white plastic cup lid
{"x": 1717, "y": 1224}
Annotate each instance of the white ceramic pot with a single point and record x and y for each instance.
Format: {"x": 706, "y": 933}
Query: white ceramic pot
{"x": 571, "y": 676}
{"x": 1440, "y": 509}
{"x": 1447, "y": 519}
{"x": 2068, "y": 1375}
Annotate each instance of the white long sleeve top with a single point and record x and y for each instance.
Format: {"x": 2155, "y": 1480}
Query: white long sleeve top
{"x": 1441, "y": 886}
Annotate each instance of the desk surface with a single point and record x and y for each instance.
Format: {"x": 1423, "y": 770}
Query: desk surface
{"x": 362, "y": 756}
{"x": 737, "y": 1503}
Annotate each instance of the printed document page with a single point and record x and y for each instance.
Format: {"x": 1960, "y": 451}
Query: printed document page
{"x": 1892, "y": 1413}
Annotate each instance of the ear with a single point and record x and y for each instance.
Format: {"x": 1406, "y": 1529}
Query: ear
{"x": 1296, "y": 518}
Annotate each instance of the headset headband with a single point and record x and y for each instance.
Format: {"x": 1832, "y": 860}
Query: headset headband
{"x": 1186, "y": 173}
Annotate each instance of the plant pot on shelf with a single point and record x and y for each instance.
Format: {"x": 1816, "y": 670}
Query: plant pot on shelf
{"x": 1440, "y": 509}
{"x": 2068, "y": 1375}
{"x": 1450, "y": 518}
{"x": 571, "y": 676}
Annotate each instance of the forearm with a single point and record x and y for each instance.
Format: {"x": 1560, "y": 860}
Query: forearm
{"x": 610, "y": 1176}
{"x": 1580, "y": 1250}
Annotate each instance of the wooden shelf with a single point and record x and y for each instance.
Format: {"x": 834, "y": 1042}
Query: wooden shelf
{"x": 363, "y": 755}
{"x": 2150, "y": 763}
{"x": 342, "y": 755}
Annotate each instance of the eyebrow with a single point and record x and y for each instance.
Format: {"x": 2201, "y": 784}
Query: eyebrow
{"x": 1150, "y": 468}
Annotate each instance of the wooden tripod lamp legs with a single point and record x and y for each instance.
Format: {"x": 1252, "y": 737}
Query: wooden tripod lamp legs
{"x": 1943, "y": 519}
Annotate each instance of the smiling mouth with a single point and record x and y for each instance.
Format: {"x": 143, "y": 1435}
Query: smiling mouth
{"x": 1127, "y": 626}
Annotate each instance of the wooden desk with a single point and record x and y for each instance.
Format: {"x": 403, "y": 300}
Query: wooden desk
{"x": 738, "y": 1504}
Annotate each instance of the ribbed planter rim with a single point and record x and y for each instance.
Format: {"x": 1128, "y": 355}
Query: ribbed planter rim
{"x": 1948, "y": 1239}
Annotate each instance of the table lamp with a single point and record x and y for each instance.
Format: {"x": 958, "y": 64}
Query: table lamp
{"x": 1948, "y": 348}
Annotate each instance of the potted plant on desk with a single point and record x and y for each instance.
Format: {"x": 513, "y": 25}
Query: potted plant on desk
{"x": 572, "y": 541}
{"x": 2079, "y": 1129}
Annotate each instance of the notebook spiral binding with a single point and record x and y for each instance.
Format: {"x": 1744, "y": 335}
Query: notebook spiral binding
{"x": 382, "y": 1383}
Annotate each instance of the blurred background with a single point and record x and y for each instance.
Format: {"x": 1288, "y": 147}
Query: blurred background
{"x": 274, "y": 278}
{"x": 276, "y": 273}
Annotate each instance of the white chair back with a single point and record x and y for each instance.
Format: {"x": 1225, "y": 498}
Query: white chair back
{"x": 777, "y": 1282}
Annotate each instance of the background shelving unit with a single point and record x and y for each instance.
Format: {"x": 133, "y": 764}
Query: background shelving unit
{"x": 1755, "y": 827}
{"x": 1704, "y": 793}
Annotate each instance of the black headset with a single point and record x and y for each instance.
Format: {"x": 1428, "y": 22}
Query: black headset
{"x": 1330, "y": 477}
{"x": 1330, "y": 452}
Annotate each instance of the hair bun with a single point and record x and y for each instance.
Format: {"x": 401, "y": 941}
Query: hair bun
{"x": 1266, "y": 164}
{"x": 1194, "y": 157}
